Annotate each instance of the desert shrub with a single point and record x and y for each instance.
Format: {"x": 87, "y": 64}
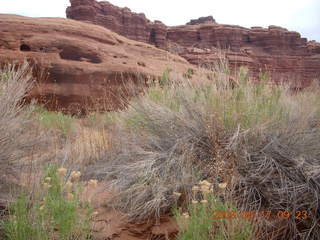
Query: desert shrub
{"x": 169, "y": 134}
{"x": 278, "y": 170}
{"x": 177, "y": 134}
{"x": 56, "y": 213}
{"x": 276, "y": 160}
{"x": 160, "y": 147}
{"x": 15, "y": 121}
{"x": 248, "y": 105}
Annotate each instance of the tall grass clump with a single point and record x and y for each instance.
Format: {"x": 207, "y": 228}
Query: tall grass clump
{"x": 257, "y": 136}
{"x": 15, "y": 134}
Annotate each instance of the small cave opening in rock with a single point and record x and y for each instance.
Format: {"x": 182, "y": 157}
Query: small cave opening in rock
{"x": 25, "y": 48}
{"x": 248, "y": 39}
{"x": 152, "y": 39}
{"x": 199, "y": 36}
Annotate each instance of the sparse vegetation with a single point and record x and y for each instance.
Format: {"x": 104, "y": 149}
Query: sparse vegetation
{"x": 165, "y": 78}
{"x": 189, "y": 73}
{"x": 55, "y": 120}
{"x": 202, "y": 220}
{"x": 257, "y": 139}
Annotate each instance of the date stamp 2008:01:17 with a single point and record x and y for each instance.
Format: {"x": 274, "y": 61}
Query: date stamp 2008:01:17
{"x": 269, "y": 215}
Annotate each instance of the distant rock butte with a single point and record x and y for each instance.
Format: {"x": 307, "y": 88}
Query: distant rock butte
{"x": 202, "y": 20}
{"x": 87, "y": 64}
{"x": 282, "y": 53}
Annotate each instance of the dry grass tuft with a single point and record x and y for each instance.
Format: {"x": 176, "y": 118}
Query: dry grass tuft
{"x": 16, "y": 139}
{"x": 279, "y": 170}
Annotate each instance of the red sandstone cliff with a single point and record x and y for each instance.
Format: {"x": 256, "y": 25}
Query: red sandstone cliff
{"x": 120, "y": 20}
{"x": 87, "y": 64}
{"x": 281, "y": 52}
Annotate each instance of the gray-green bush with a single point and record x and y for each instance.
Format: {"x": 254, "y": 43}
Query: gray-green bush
{"x": 174, "y": 134}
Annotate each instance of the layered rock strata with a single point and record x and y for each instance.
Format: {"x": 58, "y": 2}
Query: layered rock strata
{"x": 284, "y": 54}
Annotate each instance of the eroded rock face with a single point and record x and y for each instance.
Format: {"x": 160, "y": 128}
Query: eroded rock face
{"x": 120, "y": 20}
{"x": 89, "y": 66}
{"x": 282, "y": 53}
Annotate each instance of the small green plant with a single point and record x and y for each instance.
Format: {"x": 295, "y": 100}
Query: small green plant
{"x": 189, "y": 73}
{"x": 57, "y": 213}
{"x": 164, "y": 96}
{"x": 199, "y": 223}
{"x": 55, "y": 120}
{"x": 18, "y": 226}
{"x": 165, "y": 78}
{"x": 102, "y": 119}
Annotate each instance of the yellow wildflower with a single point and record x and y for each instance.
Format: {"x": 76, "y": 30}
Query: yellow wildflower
{"x": 47, "y": 179}
{"x": 205, "y": 183}
{"x": 222, "y": 185}
{"x": 62, "y": 172}
{"x": 93, "y": 183}
{"x": 204, "y": 188}
{"x": 185, "y": 215}
{"x": 75, "y": 175}
{"x": 176, "y": 194}
{"x": 195, "y": 188}
{"x": 68, "y": 186}
{"x": 204, "y": 201}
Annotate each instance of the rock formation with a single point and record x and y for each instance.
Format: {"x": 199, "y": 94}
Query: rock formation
{"x": 86, "y": 63}
{"x": 202, "y": 20}
{"x": 282, "y": 53}
{"x": 120, "y": 20}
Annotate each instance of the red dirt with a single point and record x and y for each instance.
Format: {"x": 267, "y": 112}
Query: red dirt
{"x": 110, "y": 224}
